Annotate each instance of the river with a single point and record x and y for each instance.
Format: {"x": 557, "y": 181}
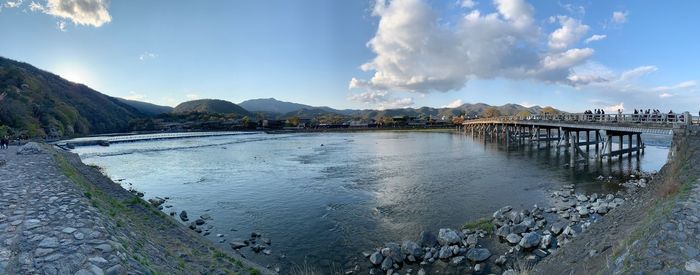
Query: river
{"x": 323, "y": 198}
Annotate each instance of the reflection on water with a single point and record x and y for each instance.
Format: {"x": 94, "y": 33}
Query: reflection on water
{"x": 323, "y": 198}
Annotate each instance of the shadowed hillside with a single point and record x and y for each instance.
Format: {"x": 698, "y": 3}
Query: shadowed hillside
{"x": 37, "y": 103}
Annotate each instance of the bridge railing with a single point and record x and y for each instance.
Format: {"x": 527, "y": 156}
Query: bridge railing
{"x": 658, "y": 118}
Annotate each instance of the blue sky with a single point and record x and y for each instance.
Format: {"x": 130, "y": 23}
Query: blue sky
{"x": 573, "y": 55}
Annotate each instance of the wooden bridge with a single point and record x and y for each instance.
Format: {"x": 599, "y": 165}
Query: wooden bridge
{"x": 574, "y": 131}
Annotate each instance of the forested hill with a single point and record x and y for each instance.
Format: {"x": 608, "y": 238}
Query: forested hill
{"x": 37, "y": 103}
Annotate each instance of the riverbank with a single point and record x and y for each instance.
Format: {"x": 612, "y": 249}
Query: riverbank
{"x": 655, "y": 232}
{"x": 59, "y": 216}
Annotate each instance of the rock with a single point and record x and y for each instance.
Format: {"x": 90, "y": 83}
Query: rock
{"x": 427, "y": 239}
{"x": 49, "y": 242}
{"x": 376, "y": 258}
{"x": 205, "y": 217}
{"x": 458, "y": 260}
{"x": 156, "y": 201}
{"x": 515, "y": 217}
{"x": 509, "y": 272}
{"x": 513, "y": 239}
{"x": 114, "y": 270}
{"x": 237, "y": 244}
{"x": 530, "y": 240}
{"x": 581, "y": 198}
{"x": 478, "y": 254}
{"x": 445, "y": 252}
{"x": 257, "y": 248}
{"x": 411, "y": 248}
{"x": 692, "y": 266}
{"x": 528, "y": 222}
{"x": 199, "y": 222}
{"x": 183, "y": 216}
{"x": 395, "y": 252}
{"x": 448, "y": 236}
{"x": 387, "y": 264}
{"x": 69, "y": 230}
{"x": 105, "y": 248}
{"x": 501, "y": 260}
{"x": 31, "y": 148}
{"x": 557, "y": 228}
{"x": 97, "y": 260}
{"x": 477, "y": 268}
{"x": 546, "y": 241}
{"x": 266, "y": 241}
{"x": 472, "y": 240}
{"x": 503, "y": 231}
{"x": 421, "y": 272}
{"x": 518, "y": 229}
{"x": 254, "y": 234}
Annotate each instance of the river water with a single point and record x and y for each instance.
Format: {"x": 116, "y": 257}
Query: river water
{"x": 323, "y": 198}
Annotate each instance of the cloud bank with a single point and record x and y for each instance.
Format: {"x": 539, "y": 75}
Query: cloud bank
{"x": 419, "y": 51}
{"x": 93, "y": 13}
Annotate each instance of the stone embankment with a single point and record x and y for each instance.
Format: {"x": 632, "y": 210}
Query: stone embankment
{"x": 58, "y": 216}
{"x": 656, "y": 232}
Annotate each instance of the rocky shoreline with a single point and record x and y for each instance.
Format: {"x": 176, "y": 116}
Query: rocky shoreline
{"x": 509, "y": 242}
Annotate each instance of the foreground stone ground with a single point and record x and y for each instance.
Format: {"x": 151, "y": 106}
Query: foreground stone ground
{"x": 58, "y": 216}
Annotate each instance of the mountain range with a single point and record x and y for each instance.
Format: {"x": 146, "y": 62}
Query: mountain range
{"x": 36, "y": 103}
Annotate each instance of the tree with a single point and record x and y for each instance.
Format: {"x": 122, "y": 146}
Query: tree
{"x": 293, "y": 121}
{"x": 549, "y": 111}
{"x": 524, "y": 114}
{"x": 458, "y": 120}
{"x": 491, "y": 112}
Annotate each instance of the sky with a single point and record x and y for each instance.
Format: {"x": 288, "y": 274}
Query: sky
{"x": 573, "y": 55}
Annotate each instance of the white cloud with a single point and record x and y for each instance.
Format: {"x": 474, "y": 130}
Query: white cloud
{"x": 571, "y": 32}
{"x": 382, "y": 100}
{"x": 81, "y": 12}
{"x": 61, "y": 25}
{"x": 527, "y": 104}
{"x": 468, "y": 4}
{"x": 679, "y": 86}
{"x": 619, "y": 17}
{"x": 417, "y": 52}
{"x": 596, "y": 37}
{"x": 454, "y": 104}
{"x": 34, "y": 6}
{"x": 147, "y": 55}
{"x": 637, "y": 72}
{"x": 573, "y": 9}
{"x": 613, "y": 108}
{"x": 12, "y": 4}
{"x": 665, "y": 95}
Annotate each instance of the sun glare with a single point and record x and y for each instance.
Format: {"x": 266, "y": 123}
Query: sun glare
{"x": 74, "y": 73}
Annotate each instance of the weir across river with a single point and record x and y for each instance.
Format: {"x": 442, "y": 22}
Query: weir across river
{"x": 576, "y": 131}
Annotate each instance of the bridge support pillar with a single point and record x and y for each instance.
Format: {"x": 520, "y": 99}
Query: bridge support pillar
{"x": 608, "y": 146}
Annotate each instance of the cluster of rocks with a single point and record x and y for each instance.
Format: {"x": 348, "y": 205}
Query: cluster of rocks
{"x": 256, "y": 242}
{"x": 527, "y": 232}
{"x": 31, "y": 148}
{"x": 459, "y": 248}
{"x": 158, "y": 202}
{"x": 198, "y": 225}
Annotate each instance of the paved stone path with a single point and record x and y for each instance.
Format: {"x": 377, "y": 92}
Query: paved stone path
{"x": 673, "y": 247}
{"x": 47, "y": 226}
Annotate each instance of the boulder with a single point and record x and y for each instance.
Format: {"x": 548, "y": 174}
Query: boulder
{"x": 199, "y": 222}
{"x": 501, "y": 260}
{"x": 376, "y": 258}
{"x": 546, "y": 241}
{"x": 387, "y": 264}
{"x": 394, "y": 251}
{"x": 530, "y": 240}
{"x": 513, "y": 238}
{"x": 478, "y": 254}
{"x": 183, "y": 216}
{"x": 558, "y": 227}
{"x": 445, "y": 252}
{"x": 448, "y": 236}
{"x": 518, "y": 229}
{"x": 31, "y": 148}
{"x": 411, "y": 248}
{"x": 472, "y": 240}
{"x": 503, "y": 231}
{"x": 238, "y": 244}
{"x": 458, "y": 260}
{"x": 427, "y": 239}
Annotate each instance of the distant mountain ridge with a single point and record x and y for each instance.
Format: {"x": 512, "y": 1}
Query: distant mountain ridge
{"x": 210, "y": 106}
{"x": 282, "y": 110}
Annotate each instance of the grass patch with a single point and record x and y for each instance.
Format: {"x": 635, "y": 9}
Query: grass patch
{"x": 484, "y": 224}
